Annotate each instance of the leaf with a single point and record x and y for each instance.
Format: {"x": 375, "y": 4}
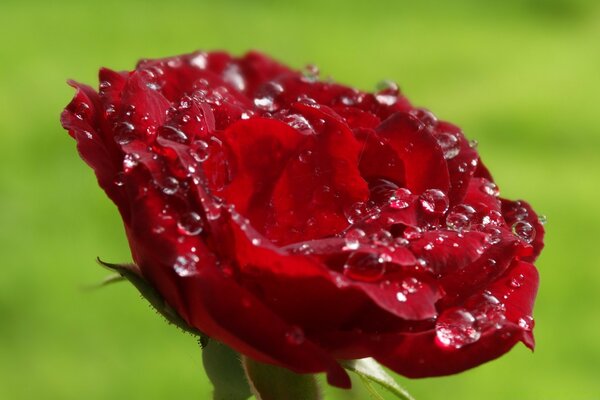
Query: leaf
{"x": 269, "y": 382}
{"x": 132, "y": 273}
{"x": 370, "y": 371}
{"x": 224, "y": 369}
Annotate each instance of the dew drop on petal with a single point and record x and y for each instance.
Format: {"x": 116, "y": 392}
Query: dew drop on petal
{"x": 353, "y": 238}
{"x": 200, "y": 152}
{"x": 186, "y": 265}
{"x": 233, "y": 76}
{"x": 434, "y": 201}
{"x": 172, "y": 133}
{"x": 310, "y": 73}
{"x": 456, "y": 328}
{"x": 426, "y": 116}
{"x": 526, "y": 322}
{"x": 124, "y": 133}
{"x": 400, "y": 199}
{"x": 524, "y": 230}
{"x": 412, "y": 233}
{"x": 168, "y": 185}
{"x": 364, "y": 267}
{"x": 299, "y": 123}
{"x": 190, "y": 224}
{"x": 490, "y": 188}
{"x": 356, "y": 212}
{"x": 449, "y": 143}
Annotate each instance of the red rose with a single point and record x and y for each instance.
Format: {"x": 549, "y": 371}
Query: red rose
{"x": 303, "y": 222}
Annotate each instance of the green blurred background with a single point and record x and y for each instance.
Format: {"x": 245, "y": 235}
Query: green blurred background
{"x": 522, "y": 77}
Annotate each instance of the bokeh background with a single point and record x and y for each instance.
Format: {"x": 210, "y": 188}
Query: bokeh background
{"x": 521, "y": 77}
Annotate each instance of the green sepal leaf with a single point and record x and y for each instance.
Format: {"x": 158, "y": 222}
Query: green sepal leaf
{"x": 269, "y": 382}
{"x": 370, "y": 371}
{"x": 224, "y": 369}
{"x": 132, "y": 273}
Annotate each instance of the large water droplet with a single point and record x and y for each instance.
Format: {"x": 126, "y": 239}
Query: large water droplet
{"x": 172, "y": 133}
{"x": 299, "y": 123}
{"x": 233, "y": 76}
{"x": 460, "y": 218}
{"x": 490, "y": 188}
{"x": 449, "y": 143}
{"x": 124, "y": 133}
{"x": 190, "y": 224}
{"x": 526, "y": 322}
{"x": 426, "y": 116}
{"x": 353, "y": 238}
{"x": 456, "y": 328}
{"x": 200, "y": 152}
{"x": 401, "y": 198}
{"x": 524, "y": 230}
{"x": 364, "y": 267}
{"x": 168, "y": 185}
{"x": 434, "y": 201}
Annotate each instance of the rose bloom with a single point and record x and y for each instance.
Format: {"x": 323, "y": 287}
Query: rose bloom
{"x": 302, "y": 222}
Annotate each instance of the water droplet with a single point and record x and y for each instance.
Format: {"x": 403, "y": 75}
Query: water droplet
{"x": 120, "y": 179}
{"x": 411, "y": 285}
{"x": 168, "y": 185}
{"x": 256, "y": 241}
{"x": 387, "y": 85}
{"x": 386, "y": 99}
{"x": 524, "y": 230}
{"x": 473, "y": 143}
{"x": 456, "y": 328}
{"x": 434, "y": 201}
{"x": 305, "y": 156}
{"x": 401, "y": 297}
{"x": 172, "y": 133}
{"x": 426, "y": 116}
{"x": 364, "y": 267}
{"x": 186, "y": 265}
{"x": 200, "y": 152}
{"x": 233, "y": 76}
{"x": 449, "y": 143}
{"x": 124, "y": 133}
{"x": 295, "y": 336}
{"x": 353, "y": 238}
{"x": 310, "y": 73}
{"x": 412, "y": 233}
{"x": 265, "y": 99}
{"x": 356, "y": 212}
{"x": 265, "y": 103}
{"x": 401, "y": 198}
{"x": 526, "y": 322}
{"x": 299, "y": 123}
{"x": 129, "y": 161}
{"x": 199, "y": 61}
{"x": 158, "y": 229}
{"x": 152, "y": 86}
{"x": 542, "y": 219}
{"x": 190, "y": 224}
{"x": 460, "y": 217}
{"x": 490, "y": 188}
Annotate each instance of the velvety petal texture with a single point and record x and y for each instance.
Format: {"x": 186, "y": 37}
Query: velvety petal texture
{"x": 303, "y": 222}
